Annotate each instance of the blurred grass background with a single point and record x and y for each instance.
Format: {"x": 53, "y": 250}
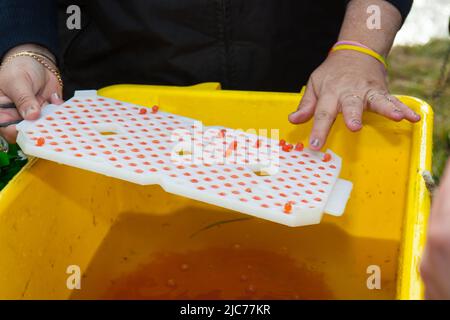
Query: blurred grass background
{"x": 423, "y": 71}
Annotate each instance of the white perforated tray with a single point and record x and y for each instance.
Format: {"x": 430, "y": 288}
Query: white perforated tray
{"x": 232, "y": 169}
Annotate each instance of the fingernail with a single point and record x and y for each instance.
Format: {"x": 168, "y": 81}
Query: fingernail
{"x": 28, "y": 111}
{"x": 416, "y": 115}
{"x": 315, "y": 142}
{"x": 356, "y": 122}
{"x": 56, "y": 96}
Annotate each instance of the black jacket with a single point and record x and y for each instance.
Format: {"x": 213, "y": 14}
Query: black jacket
{"x": 268, "y": 45}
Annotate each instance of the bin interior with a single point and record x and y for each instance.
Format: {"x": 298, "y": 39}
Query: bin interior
{"x": 140, "y": 242}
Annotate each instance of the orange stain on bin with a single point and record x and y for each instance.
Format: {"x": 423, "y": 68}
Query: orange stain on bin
{"x": 220, "y": 273}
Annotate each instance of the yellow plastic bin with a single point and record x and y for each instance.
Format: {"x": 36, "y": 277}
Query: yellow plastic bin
{"x": 131, "y": 241}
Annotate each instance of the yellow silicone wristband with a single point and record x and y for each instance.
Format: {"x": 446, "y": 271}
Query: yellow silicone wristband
{"x": 362, "y": 50}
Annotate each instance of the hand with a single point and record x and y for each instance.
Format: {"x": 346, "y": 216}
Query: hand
{"x": 28, "y": 85}
{"x": 435, "y": 266}
{"x": 348, "y": 82}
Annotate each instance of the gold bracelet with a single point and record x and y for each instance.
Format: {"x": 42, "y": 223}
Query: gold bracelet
{"x": 42, "y": 55}
{"x": 41, "y": 58}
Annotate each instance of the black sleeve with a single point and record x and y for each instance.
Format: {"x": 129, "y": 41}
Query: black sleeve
{"x": 403, "y": 6}
{"x": 28, "y": 21}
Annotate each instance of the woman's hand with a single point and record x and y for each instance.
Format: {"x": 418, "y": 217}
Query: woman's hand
{"x": 435, "y": 266}
{"x": 348, "y": 82}
{"x": 28, "y": 85}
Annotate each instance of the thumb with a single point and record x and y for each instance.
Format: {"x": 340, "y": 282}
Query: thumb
{"x": 20, "y": 91}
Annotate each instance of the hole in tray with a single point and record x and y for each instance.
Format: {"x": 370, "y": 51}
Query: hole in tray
{"x": 108, "y": 133}
{"x": 263, "y": 169}
{"x": 261, "y": 173}
{"x": 184, "y": 152}
{"x": 107, "y": 129}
